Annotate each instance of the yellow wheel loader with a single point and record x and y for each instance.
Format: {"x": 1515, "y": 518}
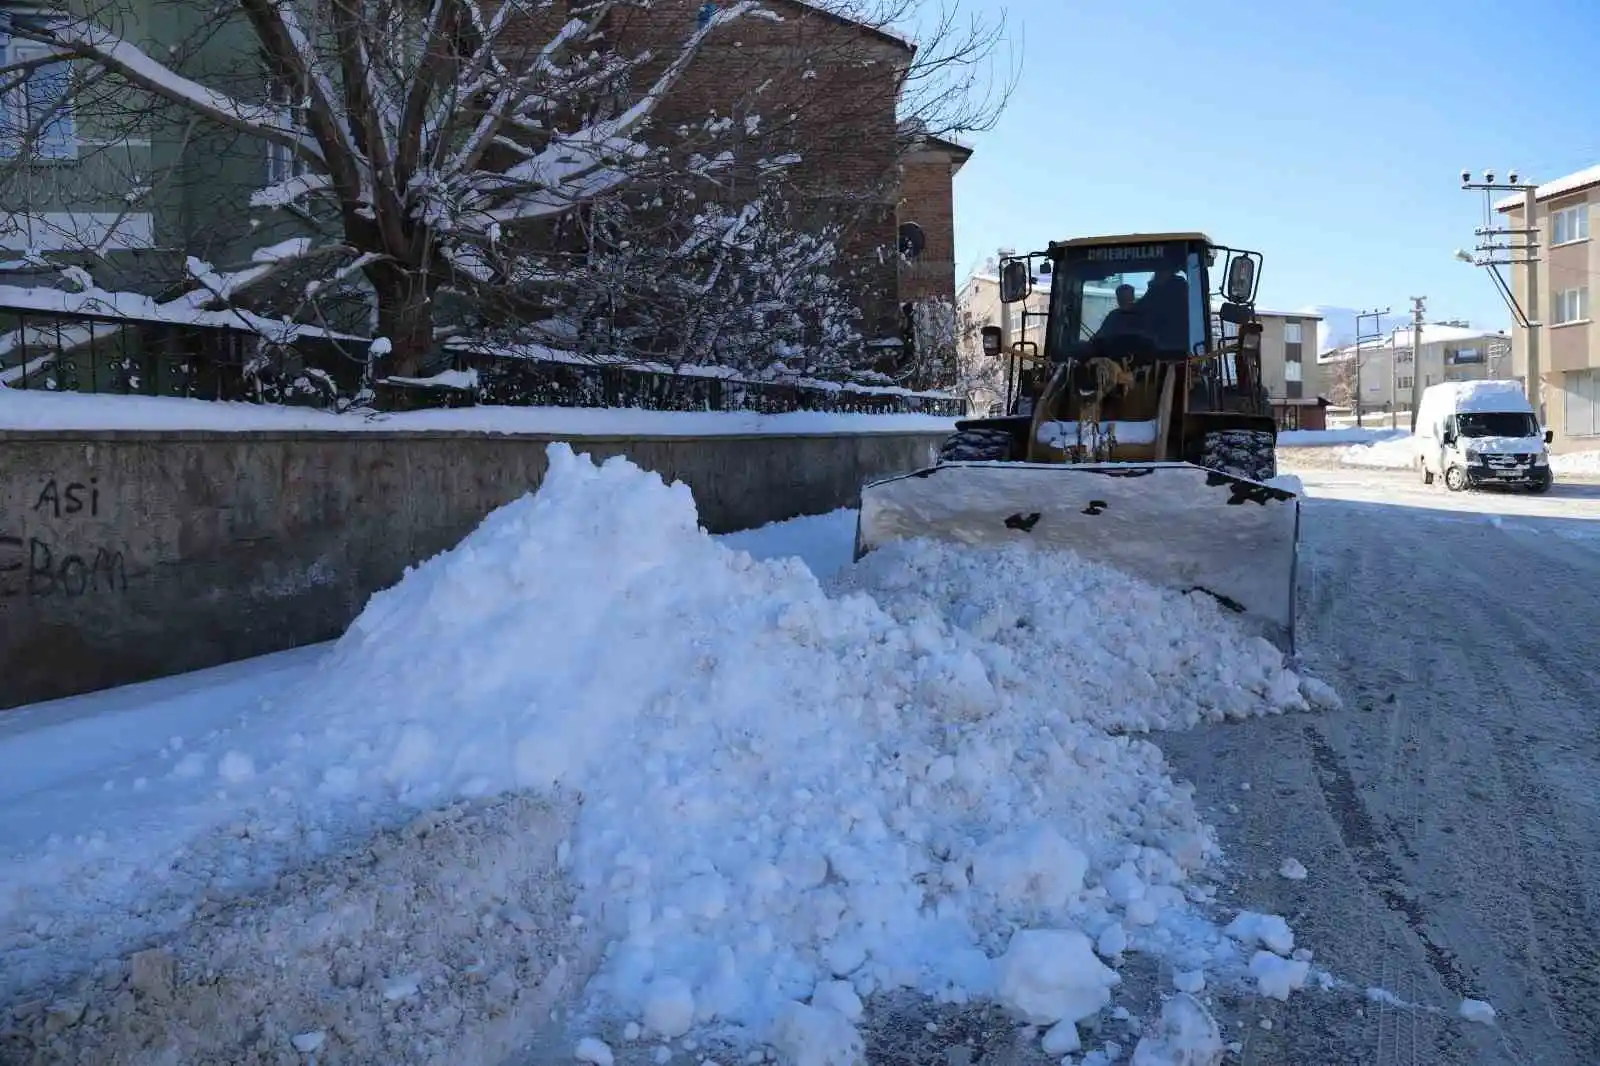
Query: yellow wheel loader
{"x": 1138, "y": 435}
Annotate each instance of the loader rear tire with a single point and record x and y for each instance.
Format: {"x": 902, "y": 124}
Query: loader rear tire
{"x": 976, "y": 446}
{"x": 1247, "y": 453}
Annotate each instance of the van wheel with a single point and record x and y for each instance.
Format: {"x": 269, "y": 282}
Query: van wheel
{"x": 1455, "y": 478}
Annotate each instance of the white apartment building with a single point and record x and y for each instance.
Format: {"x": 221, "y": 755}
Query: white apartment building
{"x": 1383, "y": 374}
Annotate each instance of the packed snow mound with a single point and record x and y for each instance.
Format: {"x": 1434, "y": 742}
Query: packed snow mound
{"x": 1576, "y": 463}
{"x": 1049, "y": 629}
{"x": 1324, "y": 438}
{"x": 1396, "y": 453}
{"x": 785, "y": 788}
{"x": 787, "y": 797}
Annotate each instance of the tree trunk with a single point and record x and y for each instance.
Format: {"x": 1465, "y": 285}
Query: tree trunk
{"x": 405, "y": 319}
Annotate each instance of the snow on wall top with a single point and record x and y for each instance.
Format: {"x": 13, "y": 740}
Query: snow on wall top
{"x": 1570, "y": 183}
{"x": 32, "y": 409}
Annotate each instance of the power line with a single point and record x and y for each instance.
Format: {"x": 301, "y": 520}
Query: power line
{"x": 1493, "y": 255}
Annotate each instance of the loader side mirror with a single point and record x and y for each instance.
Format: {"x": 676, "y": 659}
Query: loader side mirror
{"x": 991, "y": 341}
{"x": 1234, "y": 314}
{"x": 1241, "y": 279}
{"x": 1016, "y": 281}
{"x": 1549, "y": 436}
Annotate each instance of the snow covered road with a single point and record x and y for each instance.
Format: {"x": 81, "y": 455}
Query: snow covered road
{"x": 1450, "y": 814}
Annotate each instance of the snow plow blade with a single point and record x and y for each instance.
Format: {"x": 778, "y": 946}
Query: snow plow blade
{"x": 1174, "y": 525}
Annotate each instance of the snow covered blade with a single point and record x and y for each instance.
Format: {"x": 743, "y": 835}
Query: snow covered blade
{"x": 1175, "y": 525}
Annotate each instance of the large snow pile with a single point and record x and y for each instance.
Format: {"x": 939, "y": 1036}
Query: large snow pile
{"x": 1394, "y": 453}
{"x": 1576, "y": 463}
{"x": 1326, "y": 438}
{"x": 786, "y": 799}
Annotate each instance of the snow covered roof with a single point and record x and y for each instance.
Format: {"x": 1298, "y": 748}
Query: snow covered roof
{"x": 1436, "y": 334}
{"x": 824, "y": 8}
{"x": 1560, "y": 187}
{"x": 1262, "y": 312}
{"x": 1401, "y": 338}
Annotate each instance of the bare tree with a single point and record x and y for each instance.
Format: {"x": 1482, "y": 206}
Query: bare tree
{"x": 1342, "y": 382}
{"x": 433, "y": 130}
{"x": 465, "y": 148}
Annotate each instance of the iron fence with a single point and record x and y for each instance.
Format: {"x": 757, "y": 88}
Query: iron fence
{"x": 62, "y": 351}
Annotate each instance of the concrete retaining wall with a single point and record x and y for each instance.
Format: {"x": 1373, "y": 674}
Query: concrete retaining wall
{"x": 131, "y": 555}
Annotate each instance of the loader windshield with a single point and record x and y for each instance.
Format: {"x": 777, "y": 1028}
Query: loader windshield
{"x": 1152, "y": 293}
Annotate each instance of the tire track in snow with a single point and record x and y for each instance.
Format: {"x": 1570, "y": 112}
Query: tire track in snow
{"x": 1394, "y": 1034}
{"x": 1565, "y": 937}
{"x": 1439, "y": 593}
{"x": 1383, "y": 822}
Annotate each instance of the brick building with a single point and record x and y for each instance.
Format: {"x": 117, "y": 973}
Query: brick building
{"x": 818, "y": 93}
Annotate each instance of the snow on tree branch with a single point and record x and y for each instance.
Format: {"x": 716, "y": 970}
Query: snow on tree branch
{"x": 75, "y": 38}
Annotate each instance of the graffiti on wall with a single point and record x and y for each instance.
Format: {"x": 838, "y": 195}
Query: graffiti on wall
{"x": 46, "y": 558}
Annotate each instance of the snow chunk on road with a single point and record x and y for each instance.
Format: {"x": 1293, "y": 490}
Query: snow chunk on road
{"x": 1476, "y": 1010}
{"x": 1269, "y": 930}
{"x": 668, "y": 1007}
{"x": 594, "y": 1051}
{"x": 1293, "y": 869}
{"x": 1052, "y": 975}
{"x": 1276, "y": 976}
{"x": 1185, "y": 1035}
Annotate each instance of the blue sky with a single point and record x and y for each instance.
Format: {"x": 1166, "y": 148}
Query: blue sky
{"x": 1335, "y": 149}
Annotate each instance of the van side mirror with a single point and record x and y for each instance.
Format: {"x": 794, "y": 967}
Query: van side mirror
{"x": 1016, "y": 281}
{"x": 1549, "y": 436}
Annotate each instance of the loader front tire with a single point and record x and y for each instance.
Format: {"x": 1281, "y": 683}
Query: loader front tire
{"x": 976, "y": 446}
{"x": 1247, "y": 453}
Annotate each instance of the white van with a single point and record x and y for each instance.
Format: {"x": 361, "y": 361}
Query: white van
{"x": 1475, "y": 433}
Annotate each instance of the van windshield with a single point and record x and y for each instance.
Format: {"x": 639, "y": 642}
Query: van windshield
{"x": 1497, "y": 424}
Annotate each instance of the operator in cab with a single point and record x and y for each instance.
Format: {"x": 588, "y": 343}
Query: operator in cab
{"x": 1123, "y": 319}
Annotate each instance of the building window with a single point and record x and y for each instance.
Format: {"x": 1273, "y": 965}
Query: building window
{"x": 282, "y": 163}
{"x": 1405, "y": 383}
{"x": 1581, "y": 396}
{"x": 1569, "y": 224}
{"x": 1291, "y": 333}
{"x": 37, "y": 113}
{"x": 1293, "y": 371}
{"x": 1571, "y": 305}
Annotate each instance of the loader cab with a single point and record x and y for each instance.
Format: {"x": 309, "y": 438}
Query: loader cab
{"x": 1147, "y": 299}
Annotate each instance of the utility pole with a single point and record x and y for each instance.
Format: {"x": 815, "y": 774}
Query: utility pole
{"x": 1362, "y": 336}
{"x": 1494, "y": 255}
{"x": 1418, "y": 306}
